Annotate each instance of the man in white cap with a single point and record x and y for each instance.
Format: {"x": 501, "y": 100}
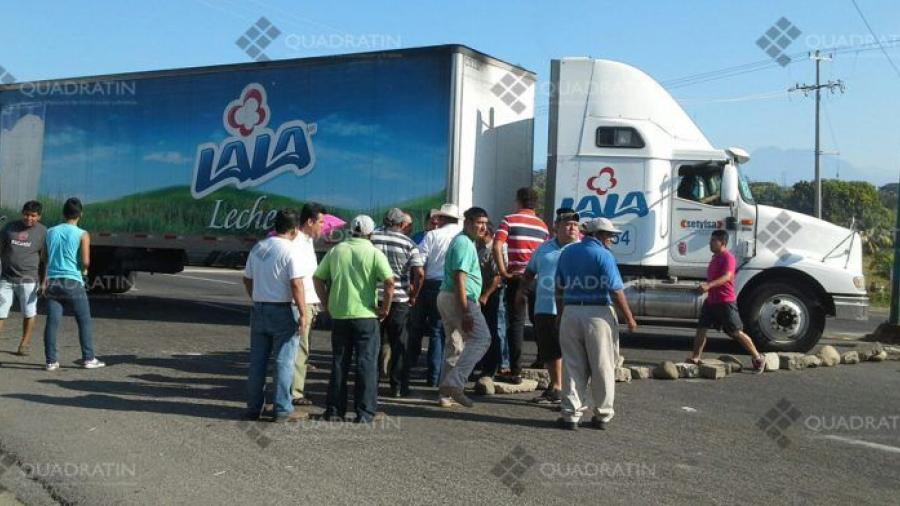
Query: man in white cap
{"x": 587, "y": 284}
{"x": 425, "y": 317}
{"x": 346, "y": 282}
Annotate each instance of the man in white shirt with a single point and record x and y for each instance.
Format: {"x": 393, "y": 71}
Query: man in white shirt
{"x": 273, "y": 278}
{"x": 425, "y": 315}
{"x": 312, "y": 217}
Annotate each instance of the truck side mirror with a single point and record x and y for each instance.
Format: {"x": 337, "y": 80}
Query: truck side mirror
{"x": 729, "y": 184}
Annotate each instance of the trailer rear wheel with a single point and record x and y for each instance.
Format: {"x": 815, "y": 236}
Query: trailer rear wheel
{"x": 782, "y": 317}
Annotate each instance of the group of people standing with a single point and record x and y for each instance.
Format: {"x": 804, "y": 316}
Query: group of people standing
{"x": 52, "y": 263}
{"x": 385, "y": 291}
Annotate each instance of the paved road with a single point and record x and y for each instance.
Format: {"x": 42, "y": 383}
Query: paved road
{"x": 159, "y": 426}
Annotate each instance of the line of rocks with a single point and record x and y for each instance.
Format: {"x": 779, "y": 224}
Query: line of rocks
{"x": 714, "y": 369}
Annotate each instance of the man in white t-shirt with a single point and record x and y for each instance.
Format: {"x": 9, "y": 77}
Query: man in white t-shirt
{"x": 425, "y": 316}
{"x": 273, "y": 278}
{"x": 312, "y": 217}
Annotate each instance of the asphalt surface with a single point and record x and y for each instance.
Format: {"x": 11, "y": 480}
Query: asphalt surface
{"x": 160, "y": 425}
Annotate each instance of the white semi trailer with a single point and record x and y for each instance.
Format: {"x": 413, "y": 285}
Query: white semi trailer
{"x": 621, "y": 147}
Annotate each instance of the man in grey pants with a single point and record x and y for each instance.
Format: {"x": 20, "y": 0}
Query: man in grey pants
{"x": 588, "y": 282}
{"x": 468, "y": 336}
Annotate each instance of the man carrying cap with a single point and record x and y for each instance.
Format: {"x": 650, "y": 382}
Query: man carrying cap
{"x": 587, "y": 284}
{"x": 346, "y": 282}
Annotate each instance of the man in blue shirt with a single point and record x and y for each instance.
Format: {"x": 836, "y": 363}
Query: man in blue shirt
{"x": 542, "y": 270}
{"x": 587, "y": 284}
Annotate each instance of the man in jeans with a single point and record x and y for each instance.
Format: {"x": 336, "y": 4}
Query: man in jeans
{"x": 67, "y": 247}
{"x": 425, "y": 312}
{"x": 522, "y": 232}
{"x": 22, "y": 253}
{"x": 542, "y": 270}
{"x": 312, "y": 217}
{"x": 407, "y": 266}
{"x": 468, "y": 336}
{"x": 346, "y": 282}
{"x": 273, "y": 277}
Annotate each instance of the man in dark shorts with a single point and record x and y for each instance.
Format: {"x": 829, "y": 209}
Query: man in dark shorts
{"x": 541, "y": 270}
{"x": 720, "y": 309}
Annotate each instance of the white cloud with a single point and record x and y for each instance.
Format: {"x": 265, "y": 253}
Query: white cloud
{"x": 170, "y": 157}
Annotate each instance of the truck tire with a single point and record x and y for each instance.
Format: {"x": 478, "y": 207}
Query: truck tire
{"x": 782, "y": 317}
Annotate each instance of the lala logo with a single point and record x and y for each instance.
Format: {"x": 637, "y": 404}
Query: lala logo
{"x": 612, "y": 205}
{"x": 248, "y": 157}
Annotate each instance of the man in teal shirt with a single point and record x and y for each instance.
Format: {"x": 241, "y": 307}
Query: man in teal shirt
{"x": 468, "y": 336}
{"x": 346, "y": 282}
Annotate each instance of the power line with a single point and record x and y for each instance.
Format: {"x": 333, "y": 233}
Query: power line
{"x": 880, "y": 46}
{"x": 757, "y": 66}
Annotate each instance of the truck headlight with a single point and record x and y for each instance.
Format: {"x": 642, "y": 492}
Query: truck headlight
{"x": 859, "y": 282}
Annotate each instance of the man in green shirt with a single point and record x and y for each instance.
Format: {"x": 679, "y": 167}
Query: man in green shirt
{"x": 346, "y": 282}
{"x": 468, "y": 336}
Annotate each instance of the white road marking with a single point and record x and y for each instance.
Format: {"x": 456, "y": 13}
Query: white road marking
{"x": 212, "y": 270}
{"x": 866, "y": 444}
{"x": 198, "y": 278}
{"x": 220, "y": 306}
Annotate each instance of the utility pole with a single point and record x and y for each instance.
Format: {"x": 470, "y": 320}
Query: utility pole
{"x": 806, "y": 88}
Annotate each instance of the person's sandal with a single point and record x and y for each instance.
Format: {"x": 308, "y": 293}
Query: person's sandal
{"x": 302, "y": 401}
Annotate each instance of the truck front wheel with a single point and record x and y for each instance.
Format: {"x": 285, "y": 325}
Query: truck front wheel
{"x": 782, "y": 317}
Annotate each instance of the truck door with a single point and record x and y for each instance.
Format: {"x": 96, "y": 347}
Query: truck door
{"x": 697, "y": 210}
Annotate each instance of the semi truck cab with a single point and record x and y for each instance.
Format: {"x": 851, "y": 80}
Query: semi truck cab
{"x": 621, "y": 147}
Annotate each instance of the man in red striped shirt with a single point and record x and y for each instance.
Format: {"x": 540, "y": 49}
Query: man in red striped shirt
{"x": 521, "y": 232}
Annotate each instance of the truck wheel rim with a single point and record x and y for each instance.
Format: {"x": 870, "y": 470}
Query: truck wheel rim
{"x": 783, "y": 318}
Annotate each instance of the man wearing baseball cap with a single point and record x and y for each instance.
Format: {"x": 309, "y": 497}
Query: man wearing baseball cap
{"x": 587, "y": 284}
{"x": 346, "y": 282}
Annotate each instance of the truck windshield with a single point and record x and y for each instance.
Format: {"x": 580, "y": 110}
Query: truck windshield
{"x": 744, "y": 187}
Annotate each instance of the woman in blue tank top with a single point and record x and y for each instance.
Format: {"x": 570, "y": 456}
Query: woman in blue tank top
{"x": 68, "y": 259}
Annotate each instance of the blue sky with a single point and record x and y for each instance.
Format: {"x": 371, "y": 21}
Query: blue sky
{"x": 669, "y": 40}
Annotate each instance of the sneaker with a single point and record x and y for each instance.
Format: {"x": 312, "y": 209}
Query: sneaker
{"x": 599, "y": 424}
{"x": 52, "y": 366}
{"x": 562, "y": 423}
{"x": 93, "y": 364}
{"x": 459, "y": 396}
{"x": 548, "y": 398}
{"x": 445, "y": 402}
{"x": 759, "y": 364}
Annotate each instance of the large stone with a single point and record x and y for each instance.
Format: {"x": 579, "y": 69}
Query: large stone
{"x": 850, "y": 358}
{"x": 543, "y": 384}
{"x": 687, "y": 370}
{"x": 879, "y": 357}
{"x": 639, "y": 372}
{"x": 527, "y": 385}
{"x": 829, "y": 356}
{"x": 811, "y": 361}
{"x": 868, "y": 350}
{"x": 713, "y": 372}
{"x": 773, "y": 361}
{"x": 485, "y": 386}
{"x": 893, "y": 352}
{"x": 736, "y": 366}
{"x": 666, "y": 370}
{"x": 535, "y": 374}
{"x": 789, "y": 360}
{"x": 623, "y": 375}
